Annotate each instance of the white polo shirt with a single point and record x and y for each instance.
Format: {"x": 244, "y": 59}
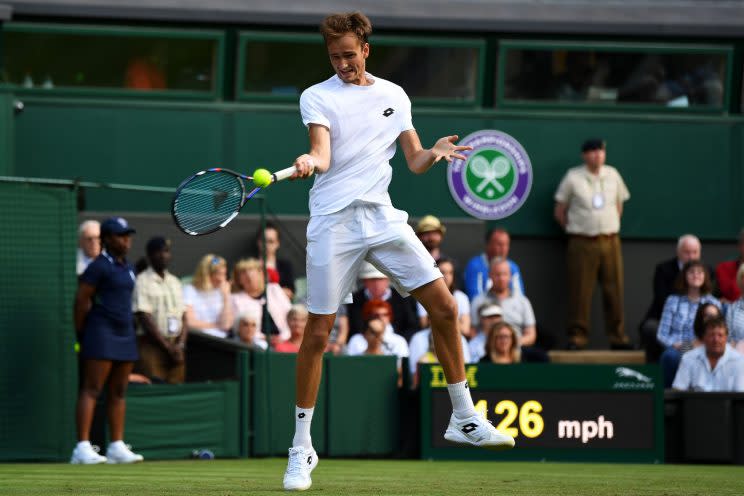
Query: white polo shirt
{"x": 695, "y": 374}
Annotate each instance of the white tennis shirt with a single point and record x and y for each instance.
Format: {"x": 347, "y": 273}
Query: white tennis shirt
{"x": 364, "y": 122}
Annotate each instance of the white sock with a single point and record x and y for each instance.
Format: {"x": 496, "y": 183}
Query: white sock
{"x": 83, "y": 444}
{"x": 117, "y": 444}
{"x": 303, "y": 419}
{"x": 462, "y": 402}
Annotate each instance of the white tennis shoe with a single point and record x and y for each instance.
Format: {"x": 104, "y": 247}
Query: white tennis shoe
{"x": 477, "y": 431}
{"x": 301, "y": 462}
{"x": 118, "y": 452}
{"x": 86, "y": 454}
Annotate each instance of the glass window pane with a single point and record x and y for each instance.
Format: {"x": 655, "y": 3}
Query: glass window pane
{"x": 630, "y": 77}
{"x": 72, "y": 60}
{"x": 284, "y": 67}
{"x": 288, "y": 67}
{"x": 428, "y": 72}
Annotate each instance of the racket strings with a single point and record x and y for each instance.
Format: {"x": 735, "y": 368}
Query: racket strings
{"x": 207, "y": 201}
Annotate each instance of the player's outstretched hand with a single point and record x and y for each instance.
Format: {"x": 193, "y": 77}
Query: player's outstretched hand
{"x": 445, "y": 148}
{"x": 305, "y": 165}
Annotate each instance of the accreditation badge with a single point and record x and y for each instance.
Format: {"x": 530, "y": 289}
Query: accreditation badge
{"x": 598, "y": 200}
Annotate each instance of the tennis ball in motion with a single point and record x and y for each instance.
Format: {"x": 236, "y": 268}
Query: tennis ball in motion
{"x": 261, "y": 178}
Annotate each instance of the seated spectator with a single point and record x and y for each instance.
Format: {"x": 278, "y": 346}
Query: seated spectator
{"x": 488, "y": 314}
{"x": 374, "y": 335}
{"x": 705, "y": 312}
{"x": 676, "y": 333}
{"x": 246, "y": 331}
{"x": 665, "y": 277}
{"x": 431, "y": 232}
{"x": 727, "y": 275}
{"x": 279, "y": 270}
{"x": 251, "y": 294}
{"x": 89, "y": 244}
{"x": 502, "y": 345}
{"x": 159, "y": 310}
{"x": 714, "y": 366}
{"x": 421, "y": 350}
{"x": 208, "y": 305}
{"x": 447, "y": 267}
{"x": 735, "y": 315}
{"x": 297, "y": 319}
{"x": 377, "y": 287}
{"x": 392, "y": 343}
{"x": 477, "y": 280}
{"x": 516, "y": 307}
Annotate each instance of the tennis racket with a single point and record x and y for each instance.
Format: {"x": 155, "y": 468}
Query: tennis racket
{"x": 207, "y": 201}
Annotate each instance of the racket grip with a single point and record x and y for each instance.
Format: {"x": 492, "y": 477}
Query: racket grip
{"x": 283, "y": 174}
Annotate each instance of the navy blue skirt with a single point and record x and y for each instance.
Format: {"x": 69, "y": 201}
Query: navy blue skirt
{"x": 104, "y": 339}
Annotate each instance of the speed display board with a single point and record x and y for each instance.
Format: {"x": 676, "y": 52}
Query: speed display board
{"x": 554, "y": 412}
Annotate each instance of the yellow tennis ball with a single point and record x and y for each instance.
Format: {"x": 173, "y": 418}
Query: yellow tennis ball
{"x": 261, "y": 178}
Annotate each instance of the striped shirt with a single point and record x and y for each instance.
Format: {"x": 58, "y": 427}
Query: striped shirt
{"x": 735, "y": 321}
{"x": 678, "y": 317}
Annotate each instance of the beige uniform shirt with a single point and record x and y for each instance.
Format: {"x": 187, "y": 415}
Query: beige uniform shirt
{"x": 162, "y": 298}
{"x": 592, "y": 200}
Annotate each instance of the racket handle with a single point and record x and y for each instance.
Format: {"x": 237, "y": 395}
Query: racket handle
{"x": 283, "y": 174}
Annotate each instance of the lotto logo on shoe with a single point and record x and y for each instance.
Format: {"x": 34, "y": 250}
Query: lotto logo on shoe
{"x": 495, "y": 178}
{"x": 468, "y": 428}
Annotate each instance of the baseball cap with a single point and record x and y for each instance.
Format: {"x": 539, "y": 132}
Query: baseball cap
{"x": 156, "y": 244}
{"x": 369, "y": 271}
{"x": 429, "y": 223}
{"x": 116, "y": 225}
{"x": 593, "y": 144}
{"x": 490, "y": 310}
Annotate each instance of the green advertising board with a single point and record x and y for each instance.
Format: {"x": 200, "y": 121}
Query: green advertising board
{"x": 554, "y": 412}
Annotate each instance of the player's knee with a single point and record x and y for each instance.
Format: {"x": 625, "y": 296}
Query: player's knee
{"x": 446, "y": 312}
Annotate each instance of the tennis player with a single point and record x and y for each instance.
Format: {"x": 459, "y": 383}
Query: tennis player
{"x": 354, "y": 120}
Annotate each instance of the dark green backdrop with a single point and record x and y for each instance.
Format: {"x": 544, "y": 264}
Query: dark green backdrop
{"x": 678, "y": 168}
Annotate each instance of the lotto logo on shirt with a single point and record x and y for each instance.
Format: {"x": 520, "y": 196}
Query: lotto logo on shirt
{"x": 495, "y": 179}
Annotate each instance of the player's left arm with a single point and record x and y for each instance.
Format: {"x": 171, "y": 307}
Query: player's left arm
{"x": 420, "y": 159}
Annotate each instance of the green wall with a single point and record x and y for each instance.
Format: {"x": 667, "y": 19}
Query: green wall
{"x": 678, "y": 168}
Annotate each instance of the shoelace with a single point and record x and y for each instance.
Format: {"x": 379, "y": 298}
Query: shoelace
{"x": 295, "y": 462}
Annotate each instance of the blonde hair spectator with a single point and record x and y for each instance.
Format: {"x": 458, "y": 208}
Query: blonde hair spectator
{"x": 208, "y": 264}
{"x": 247, "y": 264}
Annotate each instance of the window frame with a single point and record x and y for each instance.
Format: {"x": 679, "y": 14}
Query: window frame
{"x": 479, "y": 43}
{"x": 727, "y": 50}
{"x": 216, "y": 93}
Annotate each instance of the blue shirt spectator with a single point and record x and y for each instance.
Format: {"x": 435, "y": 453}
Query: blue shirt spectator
{"x": 678, "y": 316}
{"x": 476, "y": 277}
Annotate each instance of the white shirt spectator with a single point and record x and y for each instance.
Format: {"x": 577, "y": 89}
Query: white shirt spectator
{"x": 420, "y": 345}
{"x": 695, "y": 374}
{"x": 392, "y": 344}
{"x": 207, "y": 306}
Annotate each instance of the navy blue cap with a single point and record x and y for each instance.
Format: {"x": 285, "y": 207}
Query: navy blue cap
{"x": 593, "y": 144}
{"x": 116, "y": 225}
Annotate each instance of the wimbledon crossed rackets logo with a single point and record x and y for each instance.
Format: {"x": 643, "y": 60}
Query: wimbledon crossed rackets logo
{"x": 495, "y": 180}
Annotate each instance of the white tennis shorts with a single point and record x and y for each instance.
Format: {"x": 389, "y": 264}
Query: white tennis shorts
{"x": 338, "y": 243}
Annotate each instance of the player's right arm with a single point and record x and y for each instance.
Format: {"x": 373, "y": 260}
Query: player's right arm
{"x": 318, "y": 159}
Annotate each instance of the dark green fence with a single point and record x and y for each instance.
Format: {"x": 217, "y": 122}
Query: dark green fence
{"x": 38, "y": 370}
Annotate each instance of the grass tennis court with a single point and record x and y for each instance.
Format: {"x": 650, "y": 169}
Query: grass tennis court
{"x": 388, "y": 477}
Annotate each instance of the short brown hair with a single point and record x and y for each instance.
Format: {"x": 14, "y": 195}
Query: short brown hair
{"x": 336, "y": 26}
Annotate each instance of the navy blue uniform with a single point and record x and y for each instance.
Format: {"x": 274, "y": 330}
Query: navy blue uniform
{"x": 108, "y": 331}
